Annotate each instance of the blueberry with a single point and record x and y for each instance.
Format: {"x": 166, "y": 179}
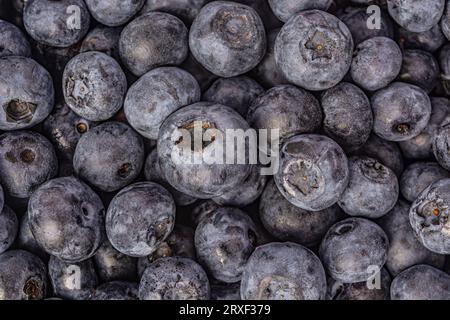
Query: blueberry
{"x": 156, "y": 95}
{"x": 445, "y": 22}
{"x": 111, "y": 265}
{"x": 227, "y": 291}
{"x": 174, "y": 278}
{"x": 109, "y": 156}
{"x": 139, "y": 218}
{"x": 418, "y": 176}
{"x": 203, "y": 76}
{"x": 356, "y": 20}
{"x": 287, "y": 222}
{"x": 186, "y": 10}
{"x": 153, "y": 40}
{"x": 376, "y": 63}
{"x": 23, "y": 276}
{"x": 267, "y": 71}
{"x": 72, "y": 281}
{"x": 290, "y": 109}
{"x": 94, "y": 85}
{"x": 314, "y": 50}
{"x": 416, "y": 15}
{"x": 28, "y": 93}
{"x": 12, "y": 41}
{"x": 202, "y": 210}
{"x": 420, "y": 147}
{"x": 420, "y": 68}
{"x": 348, "y": 115}
{"x": 366, "y": 290}
{"x": 2, "y": 197}
{"x": 116, "y": 290}
{"x": 264, "y": 11}
{"x": 9, "y": 226}
{"x": 401, "y": 111}
{"x": 64, "y": 128}
{"x": 440, "y": 144}
{"x": 247, "y": 192}
{"x": 351, "y": 248}
{"x": 66, "y": 218}
{"x": 152, "y": 171}
{"x": 429, "y": 216}
{"x": 421, "y": 282}
{"x": 430, "y": 40}
{"x": 285, "y": 9}
{"x": 179, "y": 243}
{"x": 269, "y": 274}
{"x": 404, "y": 249}
{"x": 227, "y": 38}
{"x": 237, "y": 93}
{"x": 56, "y": 23}
{"x": 114, "y": 13}
{"x": 444, "y": 60}
{"x": 27, "y": 160}
{"x": 224, "y": 241}
{"x": 201, "y": 180}
{"x": 386, "y": 152}
{"x": 372, "y": 189}
{"x": 26, "y": 240}
{"x": 313, "y": 172}
{"x": 103, "y": 39}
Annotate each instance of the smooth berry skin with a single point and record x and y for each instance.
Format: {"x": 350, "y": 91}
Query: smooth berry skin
{"x": 401, "y": 111}
{"x": 351, "y": 248}
{"x": 234, "y": 28}
{"x": 67, "y": 219}
{"x": 268, "y": 274}
{"x": 12, "y": 41}
{"x": 311, "y": 56}
{"x": 421, "y": 282}
{"x": 139, "y": 218}
{"x": 313, "y": 172}
{"x": 109, "y": 156}
{"x": 114, "y": 13}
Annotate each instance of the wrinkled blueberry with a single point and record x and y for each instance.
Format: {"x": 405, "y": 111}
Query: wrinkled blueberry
{"x": 227, "y": 38}
{"x": 314, "y": 50}
{"x": 174, "y": 278}
{"x": 153, "y": 40}
{"x": 156, "y": 95}
{"x": 27, "y": 93}
{"x": 269, "y": 274}
{"x": 404, "y": 249}
{"x": 27, "y": 160}
{"x": 59, "y": 23}
{"x": 139, "y": 218}
{"x": 376, "y": 63}
{"x": 66, "y": 218}
{"x": 313, "y": 172}
{"x": 352, "y": 248}
{"x": 401, "y": 111}
{"x": 73, "y": 281}
{"x": 109, "y": 156}
{"x": 287, "y": 222}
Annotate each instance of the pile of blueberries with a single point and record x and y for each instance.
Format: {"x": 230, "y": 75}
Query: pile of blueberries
{"x": 94, "y": 204}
